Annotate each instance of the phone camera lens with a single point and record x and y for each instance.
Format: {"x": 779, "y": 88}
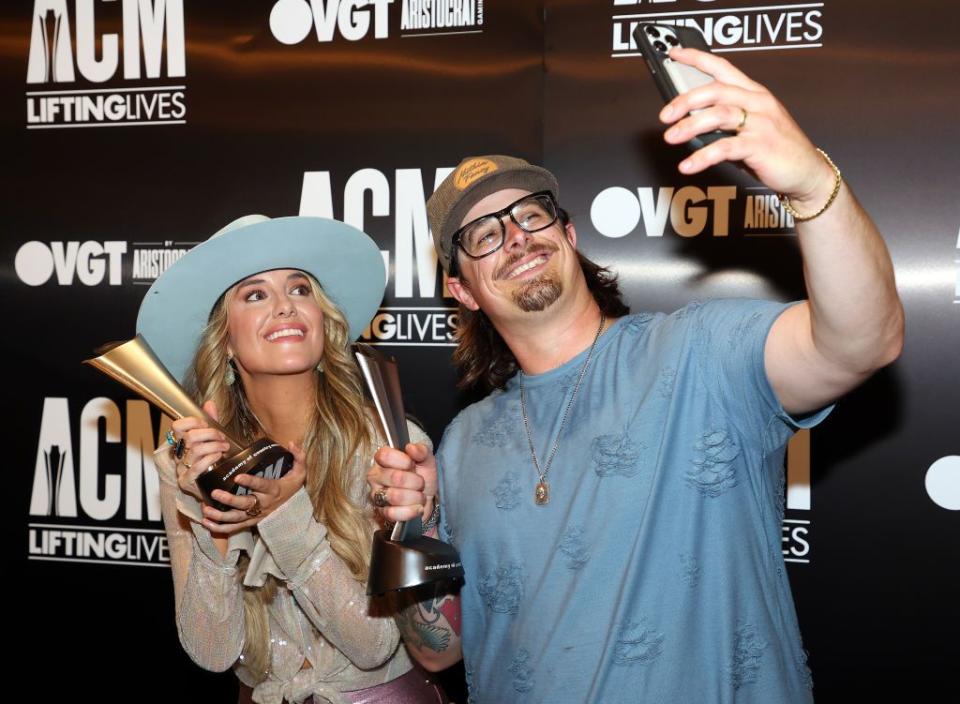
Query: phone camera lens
{"x": 652, "y": 31}
{"x": 672, "y": 40}
{"x": 659, "y": 46}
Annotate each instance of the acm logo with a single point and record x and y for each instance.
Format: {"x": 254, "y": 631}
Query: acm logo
{"x": 81, "y": 503}
{"x": 75, "y": 513}
{"x": 149, "y": 26}
{"x": 72, "y": 485}
{"x": 53, "y": 60}
{"x": 416, "y": 314}
{"x": 765, "y": 26}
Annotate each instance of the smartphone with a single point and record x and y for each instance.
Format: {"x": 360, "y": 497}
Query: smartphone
{"x": 673, "y": 78}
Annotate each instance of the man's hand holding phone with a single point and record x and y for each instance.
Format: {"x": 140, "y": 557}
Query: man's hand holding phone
{"x": 723, "y": 115}
{"x": 765, "y": 137}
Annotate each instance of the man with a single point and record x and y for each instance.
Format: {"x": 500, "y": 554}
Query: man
{"x": 617, "y": 499}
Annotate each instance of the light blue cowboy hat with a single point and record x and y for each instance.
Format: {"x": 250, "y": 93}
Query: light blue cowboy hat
{"x": 345, "y": 261}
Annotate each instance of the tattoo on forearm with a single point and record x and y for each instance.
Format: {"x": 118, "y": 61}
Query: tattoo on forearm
{"x": 424, "y": 624}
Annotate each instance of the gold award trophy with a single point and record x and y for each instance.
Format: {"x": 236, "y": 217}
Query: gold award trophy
{"x": 137, "y": 367}
{"x": 401, "y": 557}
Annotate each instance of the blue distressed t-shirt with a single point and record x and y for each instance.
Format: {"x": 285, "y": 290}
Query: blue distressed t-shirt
{"x": 655, "y": 573}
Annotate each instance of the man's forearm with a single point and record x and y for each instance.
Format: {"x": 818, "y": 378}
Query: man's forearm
{"x": 429, "y": 621}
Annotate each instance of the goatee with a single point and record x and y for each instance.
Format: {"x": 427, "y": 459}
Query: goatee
{"x": 539, "y": 293}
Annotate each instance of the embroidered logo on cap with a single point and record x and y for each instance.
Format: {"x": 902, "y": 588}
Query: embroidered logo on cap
{"x": 470, "y": 171}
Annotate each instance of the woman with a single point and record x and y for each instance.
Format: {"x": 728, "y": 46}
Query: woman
{"x": 274, "y": 585}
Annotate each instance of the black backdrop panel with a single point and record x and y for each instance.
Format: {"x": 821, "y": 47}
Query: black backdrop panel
{"x": 133, "y": 130}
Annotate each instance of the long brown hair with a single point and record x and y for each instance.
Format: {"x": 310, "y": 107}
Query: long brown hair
{"x": 482, "y": 357}
{"x": 338, "y": 434}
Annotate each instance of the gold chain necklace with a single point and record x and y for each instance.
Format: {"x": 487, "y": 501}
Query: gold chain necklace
{"x": 541, "y": 494}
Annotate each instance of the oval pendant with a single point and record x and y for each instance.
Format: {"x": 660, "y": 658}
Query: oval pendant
{"x": 541, "y": 495}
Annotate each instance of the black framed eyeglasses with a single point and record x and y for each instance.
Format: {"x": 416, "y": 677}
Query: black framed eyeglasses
{"x": 482, "y": 237}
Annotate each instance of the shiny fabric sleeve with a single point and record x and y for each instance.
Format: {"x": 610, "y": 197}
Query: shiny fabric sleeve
{"x": 323, "y": 586}
{"x": 207, "y": 591}
{"x": 325, "y": 589}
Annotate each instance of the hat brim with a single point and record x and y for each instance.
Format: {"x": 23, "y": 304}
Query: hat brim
{"x": 345, "y": 261}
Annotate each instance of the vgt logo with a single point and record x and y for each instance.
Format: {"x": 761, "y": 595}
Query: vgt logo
{"x": 51, "y": 50}
{"x": 616, "y": 211}
{"x": 292, "y": 20}
{"x": 689, "y": 211}
{"x": 91, "y": 262}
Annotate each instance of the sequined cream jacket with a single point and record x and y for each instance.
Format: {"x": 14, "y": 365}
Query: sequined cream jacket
{"x": 322, "y": 616}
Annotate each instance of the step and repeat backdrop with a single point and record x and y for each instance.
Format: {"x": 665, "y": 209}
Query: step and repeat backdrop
{"x": 134, "y": 129}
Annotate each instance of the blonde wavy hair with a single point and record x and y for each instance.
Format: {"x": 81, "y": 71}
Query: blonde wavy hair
{"x": 339, "y": 432}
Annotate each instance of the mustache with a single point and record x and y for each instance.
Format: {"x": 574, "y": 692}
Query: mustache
{"x": 546, "y": 247}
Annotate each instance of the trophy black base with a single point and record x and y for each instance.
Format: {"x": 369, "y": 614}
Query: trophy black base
{"x": 264, "y": 458}
{"x": 414, "y": 561}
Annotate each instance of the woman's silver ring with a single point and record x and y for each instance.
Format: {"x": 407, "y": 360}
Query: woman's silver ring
{"x": 380, "y": 499}
{"x": 255, "y": 510}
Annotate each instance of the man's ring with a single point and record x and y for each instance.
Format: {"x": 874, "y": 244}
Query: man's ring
{"x": 255, "y": 509}
{"x": 380, "y": 499}
{"x": 743, "y": 119}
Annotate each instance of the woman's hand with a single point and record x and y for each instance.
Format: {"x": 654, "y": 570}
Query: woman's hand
{"x": 203, "y": 446}
{"x": 265, "y": 496}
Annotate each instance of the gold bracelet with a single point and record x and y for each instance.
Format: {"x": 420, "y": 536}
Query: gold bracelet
{"x": 785, "y": 202}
